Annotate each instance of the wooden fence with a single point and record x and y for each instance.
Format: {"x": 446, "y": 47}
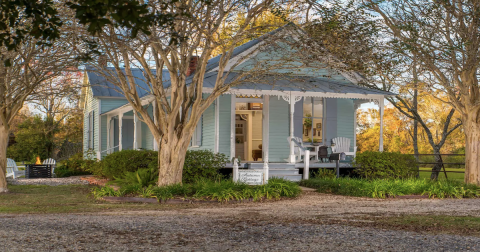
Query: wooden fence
{"x": 441, "y": 163}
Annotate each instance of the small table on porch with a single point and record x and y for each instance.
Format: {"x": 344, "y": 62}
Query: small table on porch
{"x": 315, "y": 153}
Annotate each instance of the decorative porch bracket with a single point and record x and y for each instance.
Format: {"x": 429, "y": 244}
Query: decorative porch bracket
{"x": 291, "y": 99}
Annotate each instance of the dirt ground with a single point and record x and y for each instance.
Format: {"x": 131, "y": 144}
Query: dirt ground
{"x": 312, "y": 222}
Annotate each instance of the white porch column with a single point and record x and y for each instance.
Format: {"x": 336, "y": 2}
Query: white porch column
{"x": 217, "y": 125}
{"x": 108, "y": 134}
{"x": 232, "y": 125}
{"x": 265, "y": 135}
{"x": 291, "y": 158}
{"x": 381, "y": 106}
{"x": 135, "y": 130}
{"x": 120, "y": 122}
{"x": 154, "y": 104}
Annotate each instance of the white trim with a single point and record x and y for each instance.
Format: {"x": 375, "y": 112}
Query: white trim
{"x": 382, "y": 107}
{"x": 217, "y": 126}
{"x": 354, "y": 126}
{"x": 232, "y": 126}
{"x": 240, "y": 58}
{"x": 249, "y": 100}
{"x": 265, "y": 134}
{"x": 99, "y": 157}
{"x": 120, "y": 133}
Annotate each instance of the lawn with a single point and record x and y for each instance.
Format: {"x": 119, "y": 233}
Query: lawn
{"x": 63, "y": 199}
{"x": 450, "y": 175}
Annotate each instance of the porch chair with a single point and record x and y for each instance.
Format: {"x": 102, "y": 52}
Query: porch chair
{"x": 342, "y": 144}
{"x": 52, "y": 162}
{"x": 12, "y": 169}
{"x": 299, "y": 153}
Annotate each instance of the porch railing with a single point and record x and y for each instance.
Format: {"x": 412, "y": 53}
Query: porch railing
{"x": 306, "y": 157}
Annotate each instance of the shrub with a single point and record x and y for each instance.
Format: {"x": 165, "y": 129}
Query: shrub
{"x": 325, "y": 173}
{"x": 118, "y": 164}
{"x": 143, "y": 177}
{"x": 221, "y": 190}
{"x": 386, "y": 165}
{"x": 74, "y": 166}
{"x": 381, "y": 188}
{"x": 201, "y": 164}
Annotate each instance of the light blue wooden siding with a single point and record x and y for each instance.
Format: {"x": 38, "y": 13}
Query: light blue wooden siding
{"x": 208, "y": 128}
{"x": 298, "y": 119}
{"x": 147, "y": 136}
{"x": 281, "y": 60}
{"x": 278, "y": 130}
{"x": 104, "y": 126}
{"x": 345, "y": 120}
{"x": 330, "y": 120}
{"x": 109, "y": 104}
{"x": 91, "y": 105}
{"x": 225, "y": 124}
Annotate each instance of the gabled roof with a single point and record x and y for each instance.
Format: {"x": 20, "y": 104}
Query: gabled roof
{"x": 102, "y": 87}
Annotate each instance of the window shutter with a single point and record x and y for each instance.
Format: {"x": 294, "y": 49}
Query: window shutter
{"x": 198, "y": 131}
{"x": 90, "y": 130}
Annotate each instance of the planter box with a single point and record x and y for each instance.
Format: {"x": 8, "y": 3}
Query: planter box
{"x": 38, "y": 171}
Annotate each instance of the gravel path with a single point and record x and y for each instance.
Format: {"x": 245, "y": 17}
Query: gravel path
{"x": 48, "y": 181}
{"x": 289, "y": 225}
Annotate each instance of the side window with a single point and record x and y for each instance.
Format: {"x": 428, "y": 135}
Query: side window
{"x": 197, "y": 135}
{"x": 313, "y": 120}
{"x": 90, "y": 129}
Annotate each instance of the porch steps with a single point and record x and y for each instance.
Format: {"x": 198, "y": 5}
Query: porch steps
{"x": 279, "y": 170}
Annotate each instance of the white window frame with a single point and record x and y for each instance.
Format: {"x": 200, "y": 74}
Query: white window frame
{"x": 314, "y": 117}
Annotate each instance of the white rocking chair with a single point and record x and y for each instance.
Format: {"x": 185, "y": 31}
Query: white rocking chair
{"x": 12, "y": 169}
{"x": 342, "y": 144}
{"x": 299, "y": 152}
{"x": 52, "y": 162}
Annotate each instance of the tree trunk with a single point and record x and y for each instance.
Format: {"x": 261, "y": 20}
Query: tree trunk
{"x": 472, "y": 151}
{"x": 171, "y": 157}
{"x": 438, "y": 166}
{"x": 3, "y": 158}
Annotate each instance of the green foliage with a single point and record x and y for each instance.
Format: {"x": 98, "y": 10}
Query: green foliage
{"x": 118, "y": 164}
{"x": 385, "y": 165}
{"x": 31, "y": 140}
{"x": 75, "y": 165}
{"x": 143, "y": 177}
{"x": 380, "y": 188}
{"x": 324, "y": 173}
{"x": 201, "y": 164}
{"x": 221, "y": 190}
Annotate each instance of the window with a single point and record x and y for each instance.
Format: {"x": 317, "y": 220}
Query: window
{"x": 196, "y": 140}
{"x": 90, "y": 130}
{"x": 313, "y": 120}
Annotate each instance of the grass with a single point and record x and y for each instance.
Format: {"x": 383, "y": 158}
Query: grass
{"x": 380, "y": 188}
{"x": 222, "y": 190}
{"x": 61, "y": 199}
{"x": 450, "y": 175}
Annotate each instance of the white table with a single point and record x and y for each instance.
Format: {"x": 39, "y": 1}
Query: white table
{"x": 317, "y": 147}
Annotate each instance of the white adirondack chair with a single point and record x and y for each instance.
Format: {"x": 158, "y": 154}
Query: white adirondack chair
{"x": 52, "y": 162}
{"x": 12, "y": 169}
{"x": 342, "y": 144}
{"x": 299, "y": 152}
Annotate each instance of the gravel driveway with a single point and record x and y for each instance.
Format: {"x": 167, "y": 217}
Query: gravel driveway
{"x": 289, "y": 225}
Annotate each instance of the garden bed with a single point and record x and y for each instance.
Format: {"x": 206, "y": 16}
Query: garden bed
{"x": 392, "y": 188}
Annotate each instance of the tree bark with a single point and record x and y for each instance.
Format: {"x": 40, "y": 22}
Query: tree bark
{"x": 438, "y": 166}
{"x": 472, "y": 149}
{"x": 3, "y": 157}
{"x": 171, "y": 158}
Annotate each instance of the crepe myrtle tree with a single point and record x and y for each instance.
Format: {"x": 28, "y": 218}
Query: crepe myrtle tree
{"x": 197, "y": 33}
{"x": 32, "y": 66}
{"x": 445, "y": 38}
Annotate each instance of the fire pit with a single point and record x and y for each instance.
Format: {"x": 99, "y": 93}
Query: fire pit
{"x": 38, "y": 171}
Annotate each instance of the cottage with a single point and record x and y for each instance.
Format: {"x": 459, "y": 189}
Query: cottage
{"x": 264, "y": 125}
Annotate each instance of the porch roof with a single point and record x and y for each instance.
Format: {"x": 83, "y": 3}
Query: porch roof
{"x": 300, "y": 85}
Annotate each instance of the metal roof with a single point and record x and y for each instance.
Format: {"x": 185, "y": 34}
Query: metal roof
{"x": 294, "y": 83}
{"x": 102, "y": 87}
